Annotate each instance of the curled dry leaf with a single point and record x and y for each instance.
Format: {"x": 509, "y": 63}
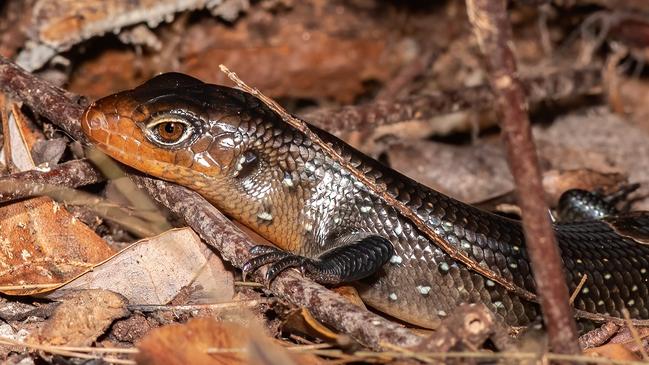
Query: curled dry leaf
{"x": 81, "y": 318}
{"x": 302, "y": 321}
{"x": 18, "y": 140}
{"x": 613, "y": 351}
{"x": 41, "y": 243}
{"x": 60, "y": 25}
{"x": 555, "y": 182}
{"x": 209, "y": 342}
{"x": 154, "y": 270}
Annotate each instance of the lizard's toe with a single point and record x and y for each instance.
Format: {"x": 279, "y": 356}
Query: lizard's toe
{"x": 263, "y": 255}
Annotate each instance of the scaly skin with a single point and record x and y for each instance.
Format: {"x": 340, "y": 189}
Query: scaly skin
{"x": 244, "y": 159}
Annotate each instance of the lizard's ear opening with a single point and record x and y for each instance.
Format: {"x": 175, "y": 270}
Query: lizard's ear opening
{"x": 246, "y": 165}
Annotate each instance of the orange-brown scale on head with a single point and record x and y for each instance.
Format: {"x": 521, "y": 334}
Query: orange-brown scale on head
{"x": 217, "y": 141}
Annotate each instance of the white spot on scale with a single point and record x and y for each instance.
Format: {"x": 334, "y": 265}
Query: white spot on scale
{"x": 607, "y": 276}
{"x": 308, "y": 227}
{"x": 443, "y": 266}
{"x": 634, "y": 288}
{"x": 423, "y": 290}
{"x": 288, "y": 180}
{"x": 630, "y": 303}
{"x": 398, "y": 230}
{"x": 265, "y": 216}
{"x": 392, "y": 296}
{"x": 490, "y": 282}
{"x": 365, "y": 209}
{"x": 396, "y": 259}
{"x": 585, "y": 290}
{"x": 441, "y": 313}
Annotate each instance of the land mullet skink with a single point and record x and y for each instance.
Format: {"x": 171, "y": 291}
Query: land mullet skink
{"x": 229, "y": 147}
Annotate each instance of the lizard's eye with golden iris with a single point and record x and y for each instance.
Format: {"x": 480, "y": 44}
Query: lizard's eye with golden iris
{"x": 169, "y": 131}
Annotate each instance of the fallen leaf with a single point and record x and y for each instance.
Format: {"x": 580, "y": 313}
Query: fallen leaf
{"x": 18, "y": 141}
{"x": 62, "y": 24}
{"x": 613, "y": 351}
{"x": 81, "y": 318}
{"x": 556, "y": 182}
{"x": 41, "y": 243}
{"x": 154, "y": 270}
{"x": 209, "y": 342}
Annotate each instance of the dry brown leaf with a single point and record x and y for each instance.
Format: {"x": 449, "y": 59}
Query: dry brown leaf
{"x": 312, "y": 51}
{"x": 555, "y": 182}
{"x": 41, "y": 243}
{"x": 61, "y": 24}
{"x": 29, "y": 132}
{"x": 207, "y": 341}
{"x": 81, "y": 318}
{"x": 18, "y": 141}
{"x": 613, "y": 351}
{"x": 154, "y": 270}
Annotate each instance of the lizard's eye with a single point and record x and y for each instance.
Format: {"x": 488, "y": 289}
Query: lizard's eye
{"x": 169, "y": 130}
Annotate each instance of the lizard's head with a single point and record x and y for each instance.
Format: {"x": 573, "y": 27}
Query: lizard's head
{"x": 221, "y": 142}
{"x": 178, "y": 128}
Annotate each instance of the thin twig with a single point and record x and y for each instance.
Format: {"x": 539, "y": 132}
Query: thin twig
{"x": 598, "y": 336}
{"x": 575, "y": 292}
{"x": 193, "y": 307}
{"x": 553, "y": 86}
{"x": 71, "y": 174}
{"x": 492, "y": 29}
{"x": 62, "y": 350}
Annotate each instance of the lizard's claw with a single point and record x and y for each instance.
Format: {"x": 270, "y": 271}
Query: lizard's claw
{"x": 279, "y": 261}
{"x": 263, "y": 255}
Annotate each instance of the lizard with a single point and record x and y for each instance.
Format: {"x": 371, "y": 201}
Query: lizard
{"x": 242, "y": 157}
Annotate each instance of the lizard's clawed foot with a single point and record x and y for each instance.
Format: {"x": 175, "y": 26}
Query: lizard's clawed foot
{"x": 361, "y": 258}
{"x": 279, "y": 261}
